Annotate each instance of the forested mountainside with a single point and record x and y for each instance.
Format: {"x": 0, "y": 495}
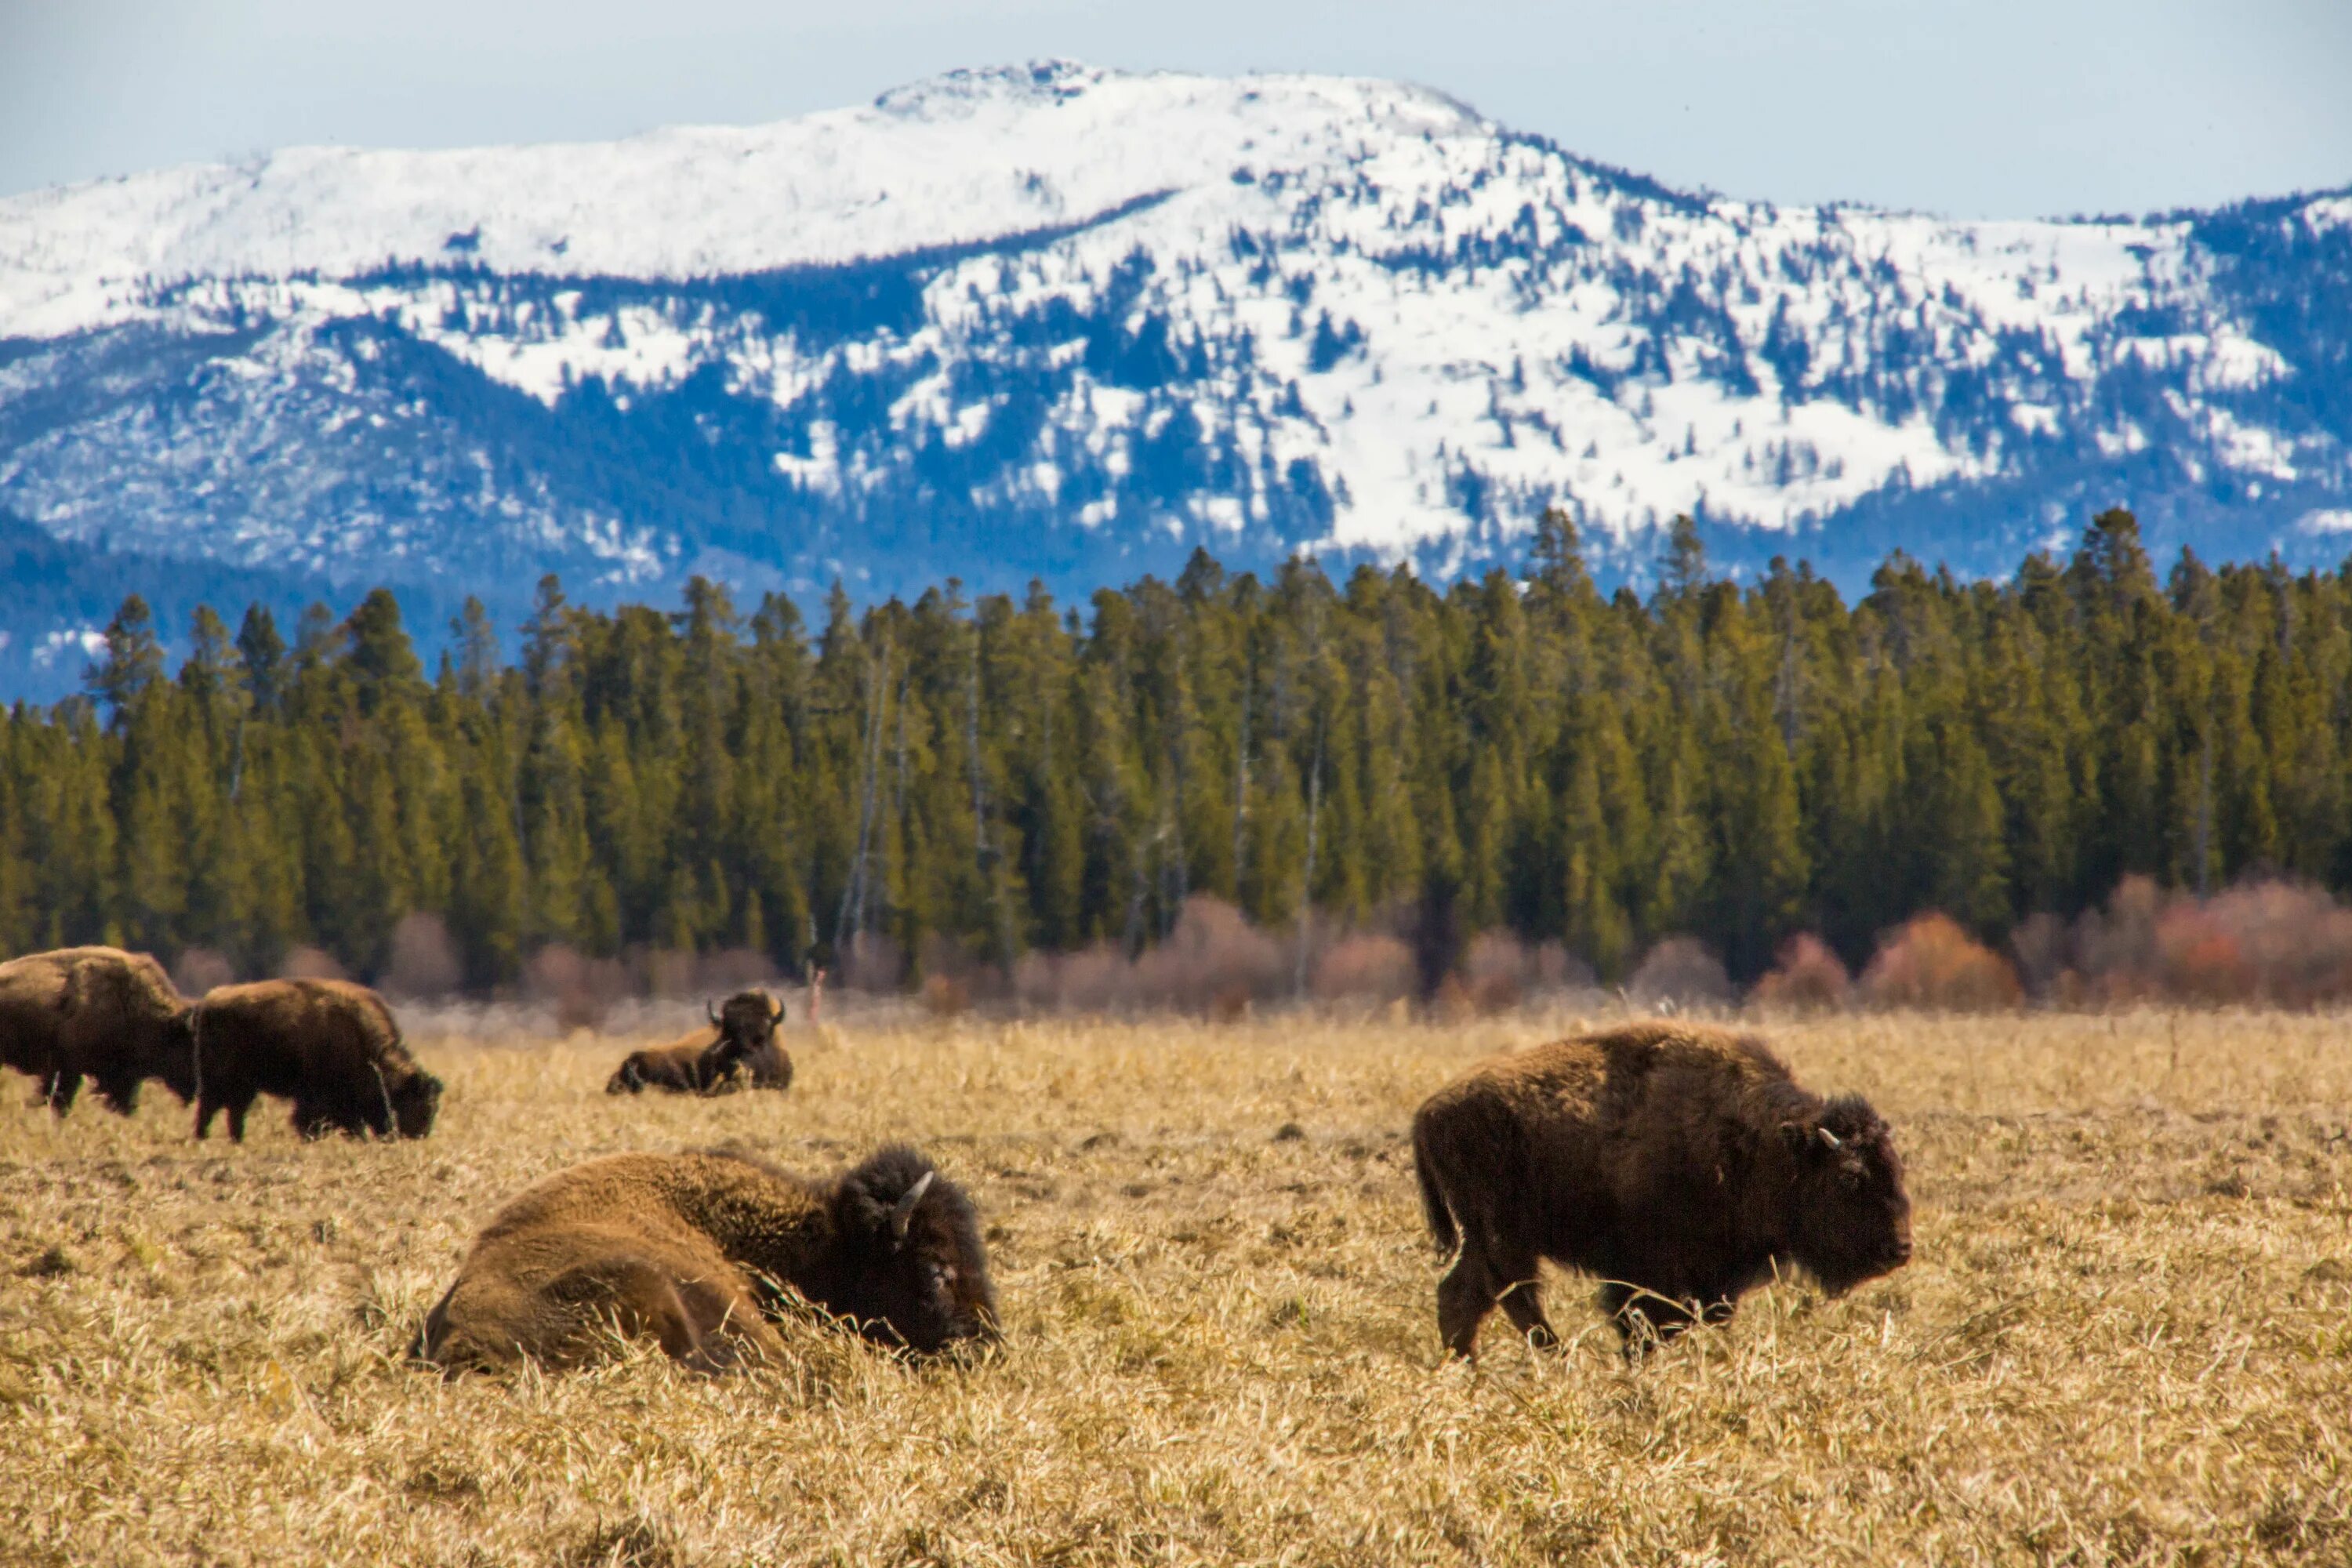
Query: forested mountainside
{"x": 969, "y": 780}
{"x": 1070, "y": 324}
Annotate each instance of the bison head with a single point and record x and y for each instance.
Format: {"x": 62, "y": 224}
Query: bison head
{"x": 745, "y": 1024}
{"x": 910, "y": 1267}
{"x": 1850, "y": 1220}
{"x": 416, "y": 1103}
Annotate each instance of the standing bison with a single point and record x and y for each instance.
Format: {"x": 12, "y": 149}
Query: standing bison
{"x": 98, "y": 1013}
{"x": 1681, "y": 1165}
{"x": 329, "y": 1046}
{"x": 699, "y": 1251}
{"x": 739, "y": 1048}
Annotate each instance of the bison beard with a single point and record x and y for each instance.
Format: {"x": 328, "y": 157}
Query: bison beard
{"x": 1682, "y": 1166}
{"x": 698, "y": 1252}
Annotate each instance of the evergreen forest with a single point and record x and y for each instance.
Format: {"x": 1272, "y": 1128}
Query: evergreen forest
{"x": 1736, "y": 762}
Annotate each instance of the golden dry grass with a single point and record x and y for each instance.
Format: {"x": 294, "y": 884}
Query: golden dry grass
{"x": 2126, "y": 1336}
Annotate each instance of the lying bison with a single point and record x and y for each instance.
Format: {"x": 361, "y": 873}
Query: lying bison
{"x": 98, "y": 1013}
{"x": 699, "y": 1251}
{"x": 739, "y": 1048}
{"x": 1681, "y": 1165}
{"x": 329, "y": 1046}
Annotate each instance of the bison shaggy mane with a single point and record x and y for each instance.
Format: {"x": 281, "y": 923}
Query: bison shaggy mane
{"x": 330, "y": 1046}
{"x": 98, "y": 1013}
{"x": 700, "y": 1252}
{"x": 1681, "y": 1165}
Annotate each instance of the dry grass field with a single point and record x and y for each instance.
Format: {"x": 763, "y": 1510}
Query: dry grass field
{"x": 2127, "y": 1337}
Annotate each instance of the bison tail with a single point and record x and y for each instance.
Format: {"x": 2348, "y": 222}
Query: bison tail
{"x": 1434, "y": 1209}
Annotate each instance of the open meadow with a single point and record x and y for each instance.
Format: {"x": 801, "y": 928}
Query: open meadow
{"x": 2127, "y": 1335}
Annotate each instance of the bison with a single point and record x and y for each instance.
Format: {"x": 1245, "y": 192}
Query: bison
{"x": 739, "y": 1047}
{"x": 1682, "y": 1165}
{"x": 98, "y": 1013}
{"x": 699, "y": 1251}
{"x": 330, "y": 1046}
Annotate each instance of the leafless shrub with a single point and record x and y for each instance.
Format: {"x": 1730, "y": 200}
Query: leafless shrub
{"x": 1213, "y": 951}
{"x": 423, "y": 962}
{"x": 1679, "y": 970}
{"x": 1558, "y": 970}
{"x": 2294, "y": 941}
{"x": 666, "y": 973}
{"x": 579, "y": 990}
{"x": 1929, "y": 962}
{"x": 1806, "y": 977}
{"x": 2043, "y": 949}
{"x": 944, "y": 996}
{"x": 200, "y": 969}
{"x": 2265, "y": 942}
{"x": 310, "y": 963}
{"x": 872, "y": 963}
{"x": 733, "y": 969}
{"x": 1497, "y": 970}
{"x": 1364, "y": 968}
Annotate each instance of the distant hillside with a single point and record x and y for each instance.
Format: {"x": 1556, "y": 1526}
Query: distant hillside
{"x": 1068, "y": 323}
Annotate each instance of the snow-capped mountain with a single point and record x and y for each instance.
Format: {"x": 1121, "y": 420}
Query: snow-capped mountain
{"x": 1065, "y": 323}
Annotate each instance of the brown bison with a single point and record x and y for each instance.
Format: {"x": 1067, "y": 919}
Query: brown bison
{"x": 1681, "y": 1165}
{"x": 699, "y": 1251}
{"x": 330, "y": 1046}
{"x": 98, "y": 1013}
{"x": 739, "y": 1048}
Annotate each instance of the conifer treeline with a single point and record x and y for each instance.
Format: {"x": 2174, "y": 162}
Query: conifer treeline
{"x": 1736, "y": 762}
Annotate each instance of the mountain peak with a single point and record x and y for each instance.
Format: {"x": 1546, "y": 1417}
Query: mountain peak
{"x": 955, "y": 92}
{"x": 1056, "y": 320}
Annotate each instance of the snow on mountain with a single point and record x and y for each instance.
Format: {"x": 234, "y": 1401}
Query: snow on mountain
{"x": 1069, "y": 322}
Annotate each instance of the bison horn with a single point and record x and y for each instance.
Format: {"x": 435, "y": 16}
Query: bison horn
{"x": 1830, "y": 1138}
{"x": 775, "y": 1011}
{"x": 710, "y": 1010}
{"x": 902, "y": 1214}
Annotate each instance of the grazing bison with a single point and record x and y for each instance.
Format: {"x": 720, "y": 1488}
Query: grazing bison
{"x": 329, "y": 1046}
{"x": 699, "y": 1251}
{"x": 1681, "y": 1165}
{"x": 739, "y": 1047}
{"x": 98, "y": 1013}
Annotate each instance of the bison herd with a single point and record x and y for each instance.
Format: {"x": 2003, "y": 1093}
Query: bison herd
{"x": 1679, "y": 1166}
{"x": 115, "y": 1019}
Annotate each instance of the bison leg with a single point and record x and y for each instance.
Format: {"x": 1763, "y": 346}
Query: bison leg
{"x": 236, "y": 1110}
{"x": 208, "y": 1106}
{"x": 1476, "y": 1285}
{"x": 62, "y": 1087}
{"x": 690, "y": 1319}
{"x": 1647, "y": 1317}
{"x": 1462, "y": 1302}
{"x": 314, "y": 1122}
{"x": 1523, "y": 1304}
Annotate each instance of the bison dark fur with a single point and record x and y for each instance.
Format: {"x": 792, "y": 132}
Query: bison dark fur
{"x": 739, "y": 1048}
{"x": 1682, "y": 1166}
{"x": 98, "y": 1013}
{"x": 330, "y": 1046}
{"x": 700, "y": 1251}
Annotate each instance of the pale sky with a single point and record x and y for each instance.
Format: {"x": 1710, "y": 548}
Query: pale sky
{"x": 1969, "y": 108}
